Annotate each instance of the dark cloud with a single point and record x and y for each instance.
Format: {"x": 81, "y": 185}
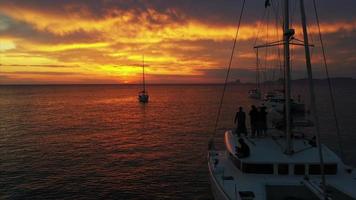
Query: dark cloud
{"x": 209, "y": 11}
{"x": 8, "y": 80}
{"x": 175, "y": 79}
{"x": 41, "y": 73}
{"x": 11, "y": 80}
{"x": 248, "y": 74}
{"x": 219, "y": 74}
{"x": 23, "y": 30}
{"x": 46, "y": 66}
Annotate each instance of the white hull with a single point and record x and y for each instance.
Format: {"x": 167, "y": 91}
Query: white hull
{"x": 216, "y": 190}
{"x": 230, "y": 182}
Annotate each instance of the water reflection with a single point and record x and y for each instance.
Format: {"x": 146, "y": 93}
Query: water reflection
{"x": 90, "y": 142}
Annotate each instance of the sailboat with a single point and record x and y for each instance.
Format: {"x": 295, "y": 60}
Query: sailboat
{"x": 275, "y": 101}
{"x": 143, "y": 95}
{"x": 254, "y": 93}
{"x": 286, "y": 164}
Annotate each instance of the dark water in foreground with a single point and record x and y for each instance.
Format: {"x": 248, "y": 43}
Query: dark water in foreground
{"x": 98, "y": 142}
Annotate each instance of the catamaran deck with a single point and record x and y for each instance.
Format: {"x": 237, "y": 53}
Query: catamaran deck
{"x": 228, "y": 179}
{"x": 270, "y": 150}
{"x": 232, "y": 181}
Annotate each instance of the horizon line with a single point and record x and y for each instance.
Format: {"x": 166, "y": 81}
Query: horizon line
{"x": 236, "y": 82}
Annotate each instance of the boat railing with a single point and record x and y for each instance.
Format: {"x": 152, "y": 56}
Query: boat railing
{"x": 281, "y": 168}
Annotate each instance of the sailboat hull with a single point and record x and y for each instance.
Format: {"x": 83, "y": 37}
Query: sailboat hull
{"x": 216, "y": 190}
{"x": 254, "y": 94}
{"x": 143, "y": 98}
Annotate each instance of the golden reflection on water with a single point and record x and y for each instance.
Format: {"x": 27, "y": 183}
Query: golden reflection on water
{"x": 99, "y": 142}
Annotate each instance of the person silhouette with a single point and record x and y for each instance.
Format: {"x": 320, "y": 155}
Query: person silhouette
{"x": 253, "y": 120}
{"x": 240, "y": 119}
{"x": 262, "y": 121}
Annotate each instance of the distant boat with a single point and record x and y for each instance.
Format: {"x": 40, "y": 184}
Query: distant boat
{"x": 254, "y": 93}
{"x": 275, "y": 100}
{"x": 143, "y": 95}
{"x": 286, "y": 164}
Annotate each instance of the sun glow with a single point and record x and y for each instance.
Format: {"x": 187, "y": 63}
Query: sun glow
{"x": 7, "y": 45}
{"x": 38, "y": 43}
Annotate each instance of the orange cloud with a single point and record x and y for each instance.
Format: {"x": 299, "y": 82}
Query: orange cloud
{"x": 120, "y": 39}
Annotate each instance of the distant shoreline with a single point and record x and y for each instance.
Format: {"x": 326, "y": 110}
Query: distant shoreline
{"x": 298, "y": 81}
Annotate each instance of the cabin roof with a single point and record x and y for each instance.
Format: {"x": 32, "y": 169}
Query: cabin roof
{"x": 269, "y": 150}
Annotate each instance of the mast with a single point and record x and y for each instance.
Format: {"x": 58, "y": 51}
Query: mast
{"x": 312, "y": 93}
{"x": 143, "y": 73}
{"x": 257, "y": 71}
{"x": 287, "y": 34}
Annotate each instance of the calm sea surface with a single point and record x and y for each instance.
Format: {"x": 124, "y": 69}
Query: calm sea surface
{"x": 98, "y": 142}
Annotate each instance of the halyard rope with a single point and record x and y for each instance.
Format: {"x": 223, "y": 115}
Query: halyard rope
{"x": 211, "y": 141}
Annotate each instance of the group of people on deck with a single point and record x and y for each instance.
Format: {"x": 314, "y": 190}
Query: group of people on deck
{"x": 258, "y": 121}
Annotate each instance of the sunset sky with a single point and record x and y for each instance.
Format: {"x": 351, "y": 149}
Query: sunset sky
{"x": 183, "y": 41}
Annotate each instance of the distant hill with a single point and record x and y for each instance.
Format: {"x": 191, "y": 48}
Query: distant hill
{"x": 336, "y": 80}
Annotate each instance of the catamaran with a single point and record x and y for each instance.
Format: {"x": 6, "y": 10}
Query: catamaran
{"x": 143, "y": 95}
{"x": 286, "y": 164}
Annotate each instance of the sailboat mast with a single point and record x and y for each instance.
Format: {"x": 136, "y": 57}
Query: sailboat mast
{"x": 143, "y": 73}
{"x": 257, "y": 71}
{"x": 287, "y": 34}
{"x": 312, "y": 93}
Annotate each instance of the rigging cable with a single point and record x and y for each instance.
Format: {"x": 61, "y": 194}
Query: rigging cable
{"x": 278, "y": 22}
{"x": 274, "y": 35}
{"x": 331, "y": 93}
{"x": 258, "y": 27}
{"x": 258, "y": 77}
{"x": 292, "y": 18}
{"x": 292, "y": 24}
{"x": 266, "y": 49}
{"x": 211, "y": 141}
{"x": 312, "y": 99}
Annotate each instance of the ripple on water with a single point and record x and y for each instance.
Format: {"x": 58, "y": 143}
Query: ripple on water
{"x": 98, "y": 142}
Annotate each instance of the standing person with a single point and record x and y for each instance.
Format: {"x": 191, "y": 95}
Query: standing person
{"x": 240, "y": 119}
{"x": 253, "y": 120}
{"x": 259, "y": 122}
{"x": 262, "y": 115}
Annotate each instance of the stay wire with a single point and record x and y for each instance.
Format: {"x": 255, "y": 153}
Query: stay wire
{"x": 227, "y": 75}
{"x": 258, "y": 27}
{"x": 278, "y": 23}
{"x": 266, "y": 49}
{"x": 331, "y": 93}
{"x": 256, "y": 49}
